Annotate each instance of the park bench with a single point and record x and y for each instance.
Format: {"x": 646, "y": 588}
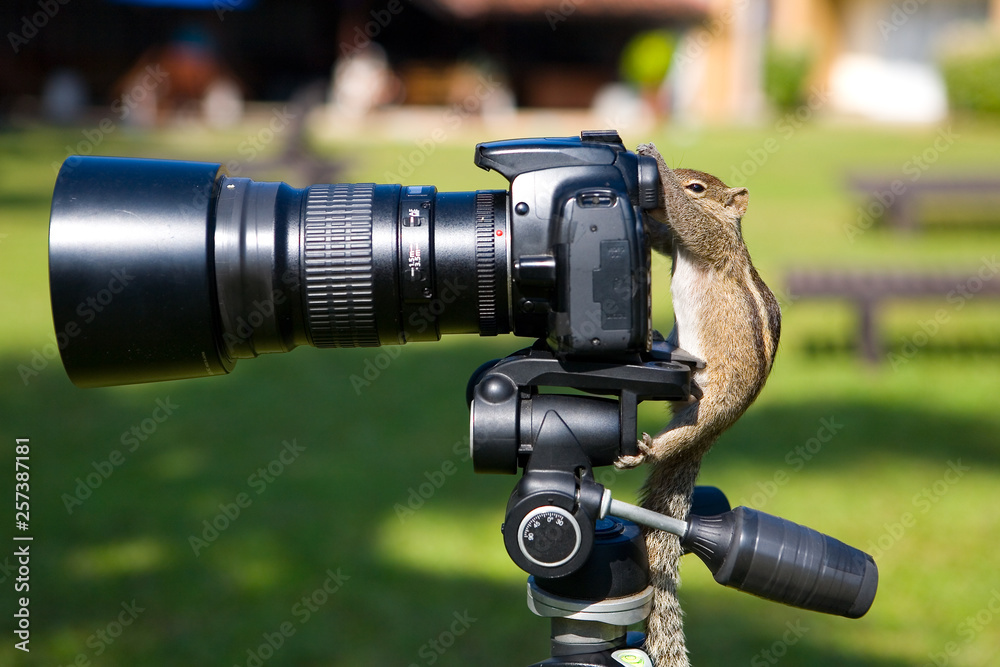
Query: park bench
{"x": 869, "y": 289}
{"x": 904, "y": 202}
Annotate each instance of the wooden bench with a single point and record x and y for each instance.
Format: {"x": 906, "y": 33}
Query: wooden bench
{"x": 901, "y": 202}
{"x": 868, "y": 289}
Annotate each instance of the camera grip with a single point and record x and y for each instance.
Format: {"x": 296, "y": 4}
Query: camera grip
{"x": 783, "y": 561}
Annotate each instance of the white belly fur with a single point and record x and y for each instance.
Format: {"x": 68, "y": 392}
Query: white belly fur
{"x": 687, "y": 289}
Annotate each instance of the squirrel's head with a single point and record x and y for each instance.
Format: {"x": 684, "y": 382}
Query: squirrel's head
{"x": 712, "y": 196}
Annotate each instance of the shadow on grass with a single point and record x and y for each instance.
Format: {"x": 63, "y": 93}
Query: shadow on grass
{"x": 27, "y": 200}
{"x": 763, "y": 634}
{"x": 865, "y": 435}
{"x": 126, "y": 481}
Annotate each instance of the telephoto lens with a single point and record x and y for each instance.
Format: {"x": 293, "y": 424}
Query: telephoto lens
{"x": 162, "y": 270}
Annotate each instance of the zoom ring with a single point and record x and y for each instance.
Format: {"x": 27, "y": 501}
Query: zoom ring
{"x": 486, "y": 281}
{"x": 337, "y": 261}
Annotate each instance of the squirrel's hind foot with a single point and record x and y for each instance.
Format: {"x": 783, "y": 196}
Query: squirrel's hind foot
{"x": 645, "y": 452}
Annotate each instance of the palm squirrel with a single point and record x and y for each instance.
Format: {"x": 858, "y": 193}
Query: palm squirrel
{"x": 725, "y": 315}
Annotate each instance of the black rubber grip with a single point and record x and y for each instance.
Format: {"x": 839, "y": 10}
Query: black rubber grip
{"x": 783, "y": 561}
{"x": 486, "y": 282}
{"x": 337, "y": 257}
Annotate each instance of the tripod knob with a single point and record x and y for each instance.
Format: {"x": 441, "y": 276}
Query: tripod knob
{"x": 549, "y": 536}
{"x": 546, "y": 532}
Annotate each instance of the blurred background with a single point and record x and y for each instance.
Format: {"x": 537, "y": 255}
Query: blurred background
{"x": 319, "y": 508}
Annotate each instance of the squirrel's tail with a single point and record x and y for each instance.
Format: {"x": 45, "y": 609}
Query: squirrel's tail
{"x": 668, "y": 491}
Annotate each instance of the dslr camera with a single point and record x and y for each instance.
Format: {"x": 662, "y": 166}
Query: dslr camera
{"x": 162, "y": 270}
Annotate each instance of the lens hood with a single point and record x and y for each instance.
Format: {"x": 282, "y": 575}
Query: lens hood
{"x": 131, "y": 270}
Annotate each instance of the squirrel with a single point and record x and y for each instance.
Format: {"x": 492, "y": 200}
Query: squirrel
{"x": 725, "y": 315}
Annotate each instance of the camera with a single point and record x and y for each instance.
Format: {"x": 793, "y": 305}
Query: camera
{"x": 163, "y": 270}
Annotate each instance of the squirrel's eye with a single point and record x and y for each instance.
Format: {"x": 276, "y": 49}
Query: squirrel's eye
{"x": 696, "y": 187}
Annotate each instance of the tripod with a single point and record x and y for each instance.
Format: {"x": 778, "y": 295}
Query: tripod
{"x": 584, "y": 553}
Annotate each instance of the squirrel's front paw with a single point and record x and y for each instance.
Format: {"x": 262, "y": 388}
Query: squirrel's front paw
{"x": 645, "y": 451}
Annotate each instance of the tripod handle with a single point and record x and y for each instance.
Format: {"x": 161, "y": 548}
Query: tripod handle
{"x": 784, "y": 561}
{"x": 770, "y": 557}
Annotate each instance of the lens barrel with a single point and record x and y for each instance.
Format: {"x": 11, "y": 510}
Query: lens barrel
{"x": 163, "y": 270}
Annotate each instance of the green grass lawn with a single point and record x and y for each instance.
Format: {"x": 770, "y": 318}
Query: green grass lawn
{"x": 911, "y": 473}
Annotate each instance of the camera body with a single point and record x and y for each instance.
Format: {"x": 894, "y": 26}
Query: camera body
{"x": 221, "y": 268}
{"x": 580, "y": 263}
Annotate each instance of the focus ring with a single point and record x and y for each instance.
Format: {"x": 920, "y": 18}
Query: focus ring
{"x": 486, "y": 282}
{"x": 337, "y": 262}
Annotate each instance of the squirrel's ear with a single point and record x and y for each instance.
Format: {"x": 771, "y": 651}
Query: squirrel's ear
{"x": 738, "y": 197}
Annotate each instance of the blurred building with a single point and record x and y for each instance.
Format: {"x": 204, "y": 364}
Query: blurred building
{"x": 551, "y": 53}
{"x": 875, "y": 59}
{"x": 871, "y": 59}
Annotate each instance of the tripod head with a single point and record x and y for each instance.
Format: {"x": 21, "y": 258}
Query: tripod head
{"x": 558, "y": 438}
{"x": 586, "y": 557}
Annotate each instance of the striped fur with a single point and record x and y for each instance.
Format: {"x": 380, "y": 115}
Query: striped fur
{"x": 727, "y": 316}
